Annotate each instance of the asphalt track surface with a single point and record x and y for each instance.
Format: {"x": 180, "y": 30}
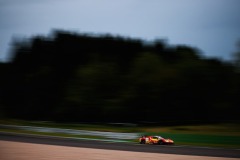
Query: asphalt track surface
{"x": 175, "y": 149}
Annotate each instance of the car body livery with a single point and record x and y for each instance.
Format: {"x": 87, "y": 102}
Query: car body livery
{"x": 155, "y": 140}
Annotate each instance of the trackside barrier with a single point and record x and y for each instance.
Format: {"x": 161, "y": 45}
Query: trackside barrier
{"x": 111, "y": 135}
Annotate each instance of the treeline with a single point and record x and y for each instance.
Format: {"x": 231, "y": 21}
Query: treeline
{"x": 83, "y": 78}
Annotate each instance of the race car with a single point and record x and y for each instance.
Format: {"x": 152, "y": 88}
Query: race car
{"x": 155, "y": 140}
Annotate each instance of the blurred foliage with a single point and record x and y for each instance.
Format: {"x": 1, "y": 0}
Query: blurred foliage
{"x": 84, "y": 78}
{"x": 236, "y": 57}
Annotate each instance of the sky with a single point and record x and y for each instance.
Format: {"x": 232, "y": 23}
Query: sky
{"x": 212, "y": 26}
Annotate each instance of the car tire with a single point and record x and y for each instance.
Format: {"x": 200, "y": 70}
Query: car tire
{"x": 142, "y": 141}
{"x": 160, "y": 142}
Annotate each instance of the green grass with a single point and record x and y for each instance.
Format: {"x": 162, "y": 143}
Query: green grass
{"x": 212, "y": 135}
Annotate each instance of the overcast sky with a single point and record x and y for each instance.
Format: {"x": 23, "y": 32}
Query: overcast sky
{"x": 213, "y": 26}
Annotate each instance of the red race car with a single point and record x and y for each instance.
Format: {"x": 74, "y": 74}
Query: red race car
{"x": 155, "y": 140}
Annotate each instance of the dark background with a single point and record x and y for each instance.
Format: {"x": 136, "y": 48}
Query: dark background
{"x": 72, "y": 77}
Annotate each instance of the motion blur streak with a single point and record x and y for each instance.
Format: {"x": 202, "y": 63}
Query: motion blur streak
{"x": 72, "y": 77}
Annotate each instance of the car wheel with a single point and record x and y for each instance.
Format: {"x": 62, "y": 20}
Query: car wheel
{"x": 160, "y": 142}
{"x": 142, "y": 141}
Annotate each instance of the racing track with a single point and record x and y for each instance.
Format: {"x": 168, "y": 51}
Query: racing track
{"x": 180, "y": 150}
